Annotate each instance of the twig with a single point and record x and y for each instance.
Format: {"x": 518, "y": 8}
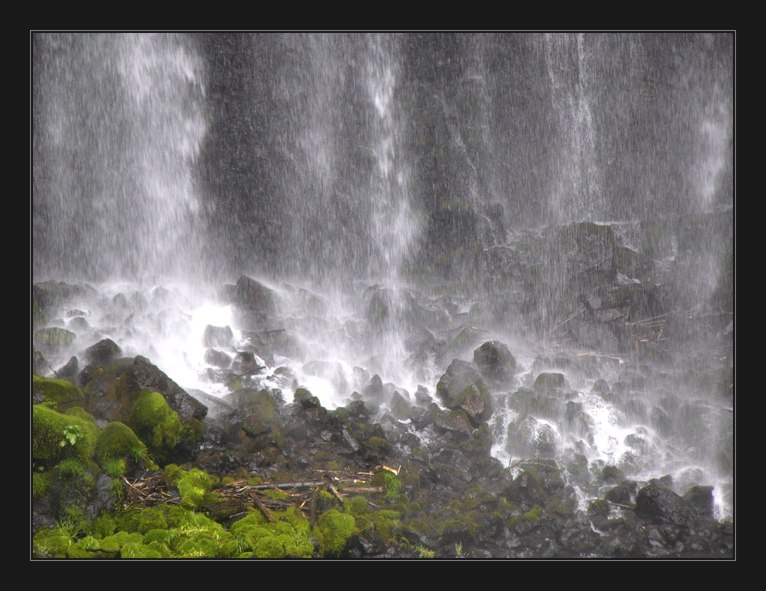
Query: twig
{"x": 631, "y": 507}
{"x": 286, "y": 485}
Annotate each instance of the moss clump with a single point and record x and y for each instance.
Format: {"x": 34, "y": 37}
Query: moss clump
{"x": 53, "y": 542}
{"x": 287, "y": 538}
{"x": 393, "y": 487}
{"x": 41, "y": 482}
{"x": 334, "y": 531}
{"x": 138, "y": 550}
{"x": 194, "y": 486}
{"x": 102, "y": 526}
{"x": 534, "y": 514}
{"x": 57, "y": 436}
{"x": 158, "y": 425}
{"x": 115, "y": 542}
{"x": 118, "y": 446}
{"x": 61, "y": 393}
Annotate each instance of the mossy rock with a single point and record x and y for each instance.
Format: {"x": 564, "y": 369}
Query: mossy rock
{"x": 161, "y": 429}
{"x": 57, "y": 436}
{"x": 61, "y": 393}
{"x": 460, "y": 378}
{"x": 117, "y": 442}
{"x": 334, "y": 531}
{"x": 54, "y": 339}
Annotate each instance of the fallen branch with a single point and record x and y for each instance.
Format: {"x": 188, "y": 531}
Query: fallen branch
{"x": 631, "y": 507}
{"x": 286, "y": 485}
{"x": 335, "y": 492}
{"x": 266, "y": 513}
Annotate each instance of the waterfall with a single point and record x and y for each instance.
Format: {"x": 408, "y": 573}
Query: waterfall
{"x": 118, "y": 125}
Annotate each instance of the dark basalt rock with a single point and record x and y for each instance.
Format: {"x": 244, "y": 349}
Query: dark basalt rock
{"x": 217, "y": 336}
{"x": 495, "y": 362}
{"x": 103, "y": 352}
{"x": 660, "y": 505}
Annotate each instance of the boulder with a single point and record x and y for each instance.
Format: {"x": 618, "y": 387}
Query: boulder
{"x": 400, "y": 406}
{"x": 245, "y": 364}
{"x": 69, "y": 370}
{"x": 217, "y": 336}
{"x": 551, "y": 384}
{"x": 700, "y": 498}
{"x": 660, "y": 505}
{"x": 461, "y": 379}
{"x": 253, "y": 296}
{"x": 54, "y": 339}
{"x": 102, "y": 352}
{"x": 217, "y": 358}
{"x": 495, "y": 362}
{"x": 453, "y": 420}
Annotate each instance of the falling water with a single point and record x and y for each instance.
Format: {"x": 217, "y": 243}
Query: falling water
{"x": 119, "y": 123}
{"x": 406, "y": 198}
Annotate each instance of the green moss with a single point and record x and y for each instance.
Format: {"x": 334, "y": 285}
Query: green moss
{"x": 116, "y": 446}
{"x": 287, "y": 538}
{"x": 534, "y": 514}
{"x": 194, "y": 486}
{"x": 158, "y": 425}
{"x": 393, "y": 487}
{"x": 334, "y": 530}
{"x": 53, "y": 542}
{"x": 142, "y": 520}
{"x": 57, "y": 436}
{"x": 115, "y": 542}
{"x": 102, "y": 526}
{"x": 74, "y": 468}
{"x": 275, "y": 493}
{"x": 62, "y": 393}
{"x": 138, "y": 550}
{"x": 41, "y": 482}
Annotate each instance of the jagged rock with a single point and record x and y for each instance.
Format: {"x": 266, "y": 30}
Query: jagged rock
{"x": 54, "y": 339}
{"x": 69, "y": 370}
{"x": 217, "y": 358}
{"x": 102, "y": 352}
{"x": 245, "y": 364}
{"x": 400, "y": 406}
{"x": 660, "y": 505}
{"x": 217, "y": 336}
{"x": 253, "y": 296}
{"x": 700, "y": 498}
{"x": 460, "y": 380}
{"x": 531, "y": 438}
{"x": 495, "y": 362}
{"x": 551, "y": 384}
{"x": 453, "y": 420}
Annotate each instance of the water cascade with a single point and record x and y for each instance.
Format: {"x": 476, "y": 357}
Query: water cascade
{"x": 514, "y": 250}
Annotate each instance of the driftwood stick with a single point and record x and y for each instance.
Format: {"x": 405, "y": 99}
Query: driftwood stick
{"x": 313, "y": 507}
{"x": 286, "y": 485}
{"x": 266, "y": 513}
{"x": 371, "y": 489}
{"x": 631, "y": 507}
{"x": 335, "y": 492}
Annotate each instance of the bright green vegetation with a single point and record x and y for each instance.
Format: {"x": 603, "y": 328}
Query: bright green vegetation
{"x": 158, "y": 425}
{"x": 56, "y": 436}
{"x": 60, "y": 393}
{"x": 116, "y": 446}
